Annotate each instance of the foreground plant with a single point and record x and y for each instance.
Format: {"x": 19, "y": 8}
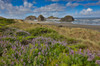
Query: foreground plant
{"x": 43, "y": 51}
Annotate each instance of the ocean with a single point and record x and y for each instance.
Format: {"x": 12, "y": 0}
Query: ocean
{"x": 87, "y": 21}
{"x": 82, "y": 21}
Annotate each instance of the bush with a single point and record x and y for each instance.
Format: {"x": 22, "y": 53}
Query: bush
{"x": 55, "y": 36}
{"x": 24, "y": 42}
{"x": 6, "y": 21}
{"x": 3, "y": 28}
{"x": 40, "y": 31}
{"x": 71, "y": 41}
{"x": 22, "y": 33}
{"x": 9, "y": 39}
{"x": 1, "y": 51}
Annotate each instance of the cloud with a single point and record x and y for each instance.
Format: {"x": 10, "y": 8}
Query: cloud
{"x": 50, "y": 8}
{"x": 92, "y": 4}
{"x": 87, "y": 11}
{"x": 15, "y": 11}
{"x": 54, "y": 0}
{"x": 72, "y": 0}
{"x": 69, "y": 4}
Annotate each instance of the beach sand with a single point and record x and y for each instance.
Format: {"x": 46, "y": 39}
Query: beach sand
{"x": 67, "y": 24}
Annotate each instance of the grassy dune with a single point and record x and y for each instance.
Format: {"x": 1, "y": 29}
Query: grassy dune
{"x": 24, "y": 44}
{"x": 90, "y": 38}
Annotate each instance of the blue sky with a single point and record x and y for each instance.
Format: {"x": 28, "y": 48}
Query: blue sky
{"x": 19, "y": 9}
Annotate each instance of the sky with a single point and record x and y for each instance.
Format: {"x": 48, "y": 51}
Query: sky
{"x": 19, "y": 9}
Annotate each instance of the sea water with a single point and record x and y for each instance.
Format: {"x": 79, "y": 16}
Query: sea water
{"x": 87, "y": 21}
{"x": 82, "y": 21}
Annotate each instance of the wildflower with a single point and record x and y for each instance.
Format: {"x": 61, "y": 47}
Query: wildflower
{"x": 39, "y": 53}
{"x": 97, "y": 62}
{"x": 24, "y": 63}
{"x": 56, "y": 64}
{"x": 98, "y": 54}
{"x": 80, "y": 52}
{"x": 19, "y": 54}
{"x": 14, "y": 47}
{"x": 91, "y": 57}
{"x": 12, "y": 63}
{"x": 66, "y": 55}
{"x": 21, "y": 60}
{"x": 71, "y": 52}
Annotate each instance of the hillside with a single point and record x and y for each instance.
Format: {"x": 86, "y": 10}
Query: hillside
{"x": 27, "y": 44}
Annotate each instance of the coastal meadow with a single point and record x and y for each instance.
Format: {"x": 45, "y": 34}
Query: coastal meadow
{"x": 21, "y": 45}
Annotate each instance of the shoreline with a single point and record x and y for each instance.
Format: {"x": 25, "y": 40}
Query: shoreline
{"x": 67, "y": 24}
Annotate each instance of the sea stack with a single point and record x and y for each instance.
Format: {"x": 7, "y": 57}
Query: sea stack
{"x": 52, "y": 17}
{"x": 67, "y": 19}
{"x": 41, "y": 18}
{"x": 2, "y": 17}
{"x": 30, "y": 18}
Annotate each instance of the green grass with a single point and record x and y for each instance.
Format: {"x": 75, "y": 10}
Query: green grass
{"x": 4, "y": 21}
{"x": 55, "y": 47}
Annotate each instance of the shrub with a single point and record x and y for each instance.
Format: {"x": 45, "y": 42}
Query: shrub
{"x": 1, "y": 51}
{"x": 71, "y": 41}
{"x": 3, "y": 28}
{"x": 6, "y": 21}
{"x": 24, "y": 42}
{"x": 55, "y": 36}
{"x": 9, "y": 39}
{"x": 22, "y": 33}
{"x": 40, "y": 31}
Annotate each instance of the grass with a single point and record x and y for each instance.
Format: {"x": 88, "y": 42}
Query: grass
{"x": 24, "y": 44}
{"x": 4, "y": 21}
{"x": 90, "y": 38}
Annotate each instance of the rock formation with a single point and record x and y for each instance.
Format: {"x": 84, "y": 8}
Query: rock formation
{"x": 2, "y": 17}
{"x": 67, "y": 19}
{"x": 51, "y": 17}
{"x": 41, "y": 18}
{"x": 30, "y": 18}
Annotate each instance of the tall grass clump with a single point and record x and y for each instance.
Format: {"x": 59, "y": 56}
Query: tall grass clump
{"x": 4, "y": 21}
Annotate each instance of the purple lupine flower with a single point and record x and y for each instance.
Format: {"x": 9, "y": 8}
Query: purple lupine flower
{"x": 42, "y": 51}
{"x": 56, "y": 64}
{"x": 71, "y": 52}
{"x": 14, "y": 47}
{"x": 39, "y": 53}
{"x": 66, "y": 55}
{"x": 12, "y": 63}
{"x": 98, "y": 54}
{"x": 80, "y": 52}
{"x": 24, "y": 63}
{"x": 19, "y": 53}
{"x": 97, "y": 62}
{"x": 13, "y": 55}
{"x": 84, "y": 52}
{"x": 91, "y": 57}
{"x": 21, "y": 60}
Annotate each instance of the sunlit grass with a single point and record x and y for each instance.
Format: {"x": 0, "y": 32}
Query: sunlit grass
{"x": 91, "y": 38}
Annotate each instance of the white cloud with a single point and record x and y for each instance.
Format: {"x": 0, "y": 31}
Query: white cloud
{"x": 15, "y": 11}
{"x": 74, "y": 0}
{"x": 50, "y": 8}
{"x": 69, "y": 4}
{"x": 87, "y": 11}
{"x": 55, "y": 0}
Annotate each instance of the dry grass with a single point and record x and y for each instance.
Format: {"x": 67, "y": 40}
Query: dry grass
{"x": 89, "y": 37}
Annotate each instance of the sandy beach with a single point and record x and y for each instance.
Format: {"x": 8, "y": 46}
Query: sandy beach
{"x": 67, "y": 24}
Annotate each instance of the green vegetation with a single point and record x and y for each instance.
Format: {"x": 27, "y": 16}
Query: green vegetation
{"x": 24, "y": 44}
{"x": 4, "y": 21}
